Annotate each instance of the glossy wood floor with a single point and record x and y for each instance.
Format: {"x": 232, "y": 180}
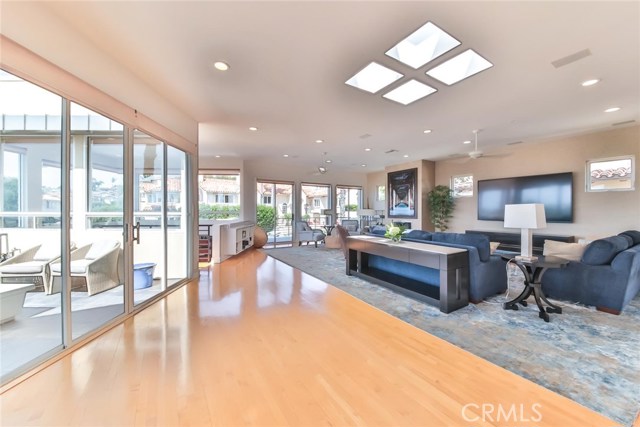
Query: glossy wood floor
{"x": 259, "y": 343}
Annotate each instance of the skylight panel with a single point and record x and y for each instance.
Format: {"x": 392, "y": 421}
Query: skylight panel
{"x": 423, "y": 45}
{"x": 459, "y": 67}
{"x": 373, "y": 78}
{"x": 409, "y": 92}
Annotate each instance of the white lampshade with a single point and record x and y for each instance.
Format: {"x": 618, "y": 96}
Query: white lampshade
{"x": 528, "y": 215}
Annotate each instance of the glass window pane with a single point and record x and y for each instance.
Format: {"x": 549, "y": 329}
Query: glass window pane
{"x": 29, "y": 224}
{"x": 219, "y": 195}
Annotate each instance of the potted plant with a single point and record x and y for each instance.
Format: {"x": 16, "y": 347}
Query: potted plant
{"x": 441, "y": 204}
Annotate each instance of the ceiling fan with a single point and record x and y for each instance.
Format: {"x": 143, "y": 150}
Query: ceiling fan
{"x": 476, "y": 153}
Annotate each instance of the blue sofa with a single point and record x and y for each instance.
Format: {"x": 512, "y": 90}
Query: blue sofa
{"x": 607, "y": 276}
{"x": 487, "y": 273}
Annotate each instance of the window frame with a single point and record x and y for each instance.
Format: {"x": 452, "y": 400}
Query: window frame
{"x": 632, "y": 175}
{"x": 453, "y": 187}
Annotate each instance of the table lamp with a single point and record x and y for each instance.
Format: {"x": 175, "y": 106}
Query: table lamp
{"x": 527, "y": 217}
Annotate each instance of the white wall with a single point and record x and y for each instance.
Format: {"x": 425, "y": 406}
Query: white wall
{"x": 49, "y": 37}
{"x": 596, "y": 214}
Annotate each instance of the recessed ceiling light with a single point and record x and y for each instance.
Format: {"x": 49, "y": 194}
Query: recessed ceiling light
{"x": 319, "y": 141}
{"x": 217, "y": 156}
{"x": 327, "y": 161}
{"x": 253, "y": 128}
{"x": 459, "y": 67}
{"x": 373, "y": 78}
{"x": 612, "y": 109}
{"x": 367, "y": 149}
{"x": 423, "y": 45}
{"x": 466, "y": 142}
{"x": 222, "y": 66}
{"x": 285, "y": 155}
{"x": 409, "y": 92}
{"x": 426, "y": 131}
{"x": 590, "y": 82}
{"x": 406, "y": 155}
{"x": 363, "y": 165}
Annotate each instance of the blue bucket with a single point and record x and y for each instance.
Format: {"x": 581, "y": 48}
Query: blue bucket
{"x": 143, "y": 275}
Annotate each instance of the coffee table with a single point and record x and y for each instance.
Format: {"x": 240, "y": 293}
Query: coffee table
{"x": 533, "y": 272}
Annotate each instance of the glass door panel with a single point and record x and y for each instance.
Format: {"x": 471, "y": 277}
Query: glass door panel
{"x": 30, "y": 214}
{"x": 316, "y": 204}
{"x": 276, "y": 211}
{"x": 177, "y": 224}
{"x": 97, "y": 275}
{"x": 148, "y": 251}
{"x": 349, "y": 201}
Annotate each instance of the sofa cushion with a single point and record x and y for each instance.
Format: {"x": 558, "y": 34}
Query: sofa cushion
{"x": 602, "y": 251}
{"x": 634, "y": 234}
{"x": 378, "y": 229}
{"x": 480, "y": 241}
{"x": 570, "y": 251}
{"x": 628, "y": 238}
{"x": 417, "y": 235}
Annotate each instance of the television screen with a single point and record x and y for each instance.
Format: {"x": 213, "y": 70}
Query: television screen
{"x": 555, "y": 191}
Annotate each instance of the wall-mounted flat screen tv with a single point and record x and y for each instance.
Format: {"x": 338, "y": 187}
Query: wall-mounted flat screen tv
{"x": 555, "y": 191}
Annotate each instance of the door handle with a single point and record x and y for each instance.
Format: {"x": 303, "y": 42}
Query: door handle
{"x": 136, "y": 234}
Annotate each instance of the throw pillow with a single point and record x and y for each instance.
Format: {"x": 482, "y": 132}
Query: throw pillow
{"x": 493, "y": 246}
{"x": 570, "y": 251}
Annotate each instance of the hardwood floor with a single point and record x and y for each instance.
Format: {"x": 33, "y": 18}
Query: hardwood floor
{"x": 259, "y": 343}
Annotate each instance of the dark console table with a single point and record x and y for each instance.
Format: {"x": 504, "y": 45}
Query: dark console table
{"x": 450, "y": 294}
{"x": 511, "y": 241}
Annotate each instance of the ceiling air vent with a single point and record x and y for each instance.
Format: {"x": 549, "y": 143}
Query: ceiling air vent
{"x": 571, "y": 58}
{"x": 391, "y": 151}
{"x": 623, "y": 123}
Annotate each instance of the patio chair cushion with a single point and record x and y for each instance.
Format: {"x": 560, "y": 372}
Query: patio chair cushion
{"x": 47, "y": 252}
{"x": 28, "y": 267}
{"x": 101, "y": 247}
{"x": 77, "y": 267}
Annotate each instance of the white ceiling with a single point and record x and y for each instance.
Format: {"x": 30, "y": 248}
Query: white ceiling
{"x": 289, "y": 62}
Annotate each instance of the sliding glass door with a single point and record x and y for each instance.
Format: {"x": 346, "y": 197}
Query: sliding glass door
{"x": 349, "y": 200}
{"x": 74, "y": 181}
{"x": 275, "y": 211}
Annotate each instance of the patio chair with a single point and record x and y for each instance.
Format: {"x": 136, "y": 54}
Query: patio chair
{"x": 308, "y": 234}
{"x": 31, "y": 266}
{"x": 99, "y": 263}
{"x": 351, "y": 224}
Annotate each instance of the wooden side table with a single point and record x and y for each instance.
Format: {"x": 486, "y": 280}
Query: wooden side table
{"x": 533, "y": 272}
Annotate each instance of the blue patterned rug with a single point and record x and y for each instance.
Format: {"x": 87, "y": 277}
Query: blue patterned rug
{"x": 588, "y": 356}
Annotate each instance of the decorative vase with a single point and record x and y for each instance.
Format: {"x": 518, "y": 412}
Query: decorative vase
{"x": 396, "y": 239}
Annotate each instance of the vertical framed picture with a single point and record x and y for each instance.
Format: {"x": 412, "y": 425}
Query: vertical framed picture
{"x": 402, "y": 193}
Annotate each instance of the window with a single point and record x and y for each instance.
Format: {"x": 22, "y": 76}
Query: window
{"x": 349, "y": 201}
{"x": 315, "y": 199}
{"x": 266, "y": 200}
{"x": 462, "y": 185}
{"x": 219, "y": 194}
{"x": 381, "y": 192}
{"x": 611, "y": 174}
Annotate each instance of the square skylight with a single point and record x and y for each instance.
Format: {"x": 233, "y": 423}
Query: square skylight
{"x": 459, "y": 67}
{"x": 409, "y": 92}
{"x": 373, "y": 78}
{"x": 423, "y": 45}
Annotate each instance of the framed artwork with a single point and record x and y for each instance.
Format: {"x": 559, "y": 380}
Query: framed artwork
{"x": 402, "y": 193}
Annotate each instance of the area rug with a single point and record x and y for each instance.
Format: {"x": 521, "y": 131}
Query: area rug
{"x": 588, "y": 356}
